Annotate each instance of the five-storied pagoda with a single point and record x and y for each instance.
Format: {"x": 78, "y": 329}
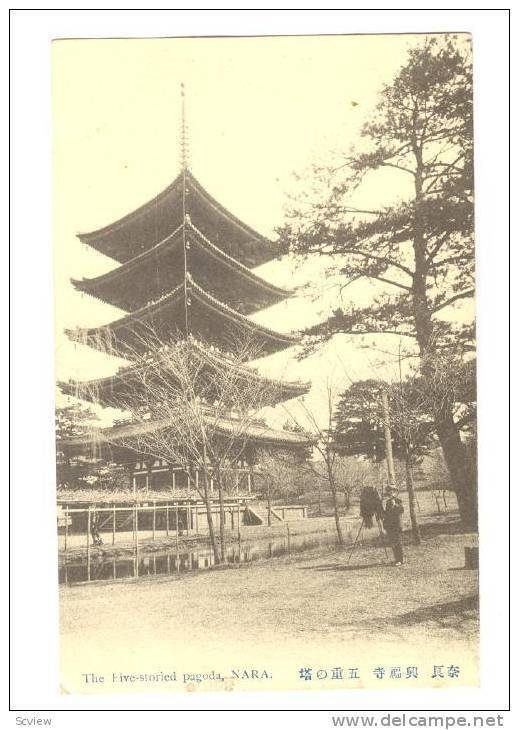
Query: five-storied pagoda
{"x": 185, "y": 269}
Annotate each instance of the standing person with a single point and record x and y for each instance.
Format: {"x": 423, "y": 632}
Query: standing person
{"x": 393, "y": 512}
{"x": 94, "y": 530}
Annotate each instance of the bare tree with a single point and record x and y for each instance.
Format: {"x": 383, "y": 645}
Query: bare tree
{"x": 407, "y": 421}
{"x": 353, "y": 473}
{"x": 324, "y": 443}
{"x": 282, "y": 474}
{"x": 195, "y": 406}
{"x": 363, "y": 420}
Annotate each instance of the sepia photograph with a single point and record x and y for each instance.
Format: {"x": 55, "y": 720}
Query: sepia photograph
{"x": 266, "y": 422}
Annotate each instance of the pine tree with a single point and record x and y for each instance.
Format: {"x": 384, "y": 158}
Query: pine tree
{"x": 419, "y": 248}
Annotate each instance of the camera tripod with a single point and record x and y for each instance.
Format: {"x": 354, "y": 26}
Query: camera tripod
{"x": 357, "y": 538}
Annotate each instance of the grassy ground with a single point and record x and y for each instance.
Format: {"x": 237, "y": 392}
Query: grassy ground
{"x": 432, "y": 591}
{"x": 284, "y": 613}
{"x": 308, "y": 609}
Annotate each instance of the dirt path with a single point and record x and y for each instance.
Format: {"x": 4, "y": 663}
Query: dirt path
{"x": 311, "y": 593}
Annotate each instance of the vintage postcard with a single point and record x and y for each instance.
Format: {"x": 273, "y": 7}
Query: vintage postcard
{"x": 265, "y": 357}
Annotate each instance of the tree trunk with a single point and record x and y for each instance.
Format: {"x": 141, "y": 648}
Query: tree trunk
{"x": 269, "y": 503}
{"x": 208, "y": 506}
{"x": 463, "y": 482}
{"x": 448, "y": 435}
{"x": 222, "y": 514}
{"x": 412, "y": 499}
{"x": 319, "y": 502}
{"x": 333, "y": 489}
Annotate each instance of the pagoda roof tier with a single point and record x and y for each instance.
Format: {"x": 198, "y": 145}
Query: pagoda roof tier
{"x": 156, "y": 271}
{"x": 186, "y": 309}
{"x": 256, "y": 432}
{"x": 125, "y": 386}
{"x": 154, "y": 221}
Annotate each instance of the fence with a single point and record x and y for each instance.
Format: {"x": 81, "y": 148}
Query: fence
{"x": 86, "y": 526}
{"x": 181, "y": 556}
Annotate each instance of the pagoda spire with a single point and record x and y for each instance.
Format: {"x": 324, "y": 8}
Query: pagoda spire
{"x": 184, "y": 140}
{"x": 184, "y": 160}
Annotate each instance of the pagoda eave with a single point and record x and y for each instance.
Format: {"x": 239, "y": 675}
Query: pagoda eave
{"x": 155, "y": 220}
{"x": 256, "y": 433}
{"x": 166, "y": 319}
{"x": 159, "y": 269}
{"x": 117, "y": 391}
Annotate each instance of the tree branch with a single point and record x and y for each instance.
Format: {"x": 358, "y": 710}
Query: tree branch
{"x": 382, "y": 259}
{"x": 399, "y": 167}
{"x": 451, "y": 300}
{"x": 389, "y": 281}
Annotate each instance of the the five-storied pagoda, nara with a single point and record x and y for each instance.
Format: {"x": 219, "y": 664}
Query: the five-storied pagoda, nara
{"x": 185, "y": 271}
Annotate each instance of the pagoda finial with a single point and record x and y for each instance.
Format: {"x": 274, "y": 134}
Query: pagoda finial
{"x": 184, "y": 142}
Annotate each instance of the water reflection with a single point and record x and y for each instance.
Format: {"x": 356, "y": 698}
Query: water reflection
{"x": 100, "y": 567}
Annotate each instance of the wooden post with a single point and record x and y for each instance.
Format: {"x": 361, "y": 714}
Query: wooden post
{"x": 472, "y": 558}
{"x": 167, "y": 520}
{"x": 88, "y": 543}
{"x": 196, "y": 518}
{"x": 188, "y": 517}
{"x": 154, "y": 518}
{"x": 176, "y": 541}
{"x": 387, "y": 438}
{"x": 239, "y": 532}
{"x": 114, "y": 517}
{"x": 173, "y": 480}
{"x": 114, "y": 572}
{"x": 288, "y": 538}
{"x": 66, "y": 526}
{"x": 249, "y": 482}
{"x": 136, "y": 532}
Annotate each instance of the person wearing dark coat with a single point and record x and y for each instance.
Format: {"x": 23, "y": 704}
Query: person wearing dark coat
{"x": 370, "y": 506}
{"x": 393, "y": 512}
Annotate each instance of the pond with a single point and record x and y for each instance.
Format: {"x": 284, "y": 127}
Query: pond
{"x": 100, "y": 567}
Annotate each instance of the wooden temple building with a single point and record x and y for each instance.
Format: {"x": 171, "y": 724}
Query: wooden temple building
{"x": 185, "y": 265}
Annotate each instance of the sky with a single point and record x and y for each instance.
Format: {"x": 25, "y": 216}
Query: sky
{"x": 258, "y": 111}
